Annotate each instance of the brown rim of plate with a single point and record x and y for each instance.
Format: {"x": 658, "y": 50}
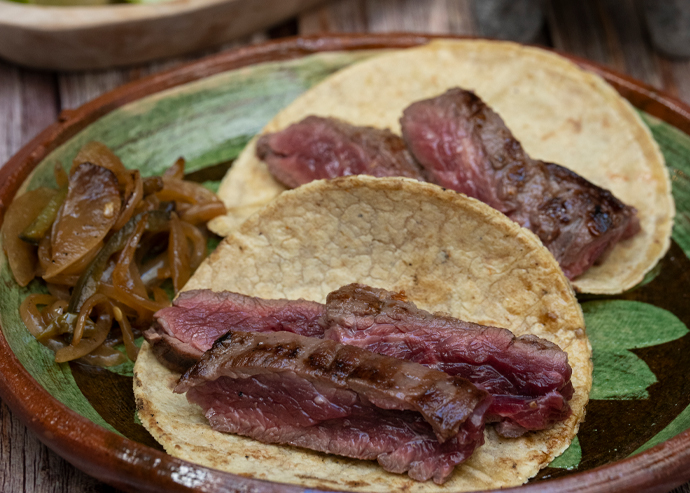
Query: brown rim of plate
{"x": 132, "y": 466}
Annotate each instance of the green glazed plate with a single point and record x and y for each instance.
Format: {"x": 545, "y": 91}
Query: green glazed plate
{"x": 205, "y": 113}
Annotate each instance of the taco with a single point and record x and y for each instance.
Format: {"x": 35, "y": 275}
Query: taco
{"x": 447, "y": 252}
{"x": 558, "y": 112}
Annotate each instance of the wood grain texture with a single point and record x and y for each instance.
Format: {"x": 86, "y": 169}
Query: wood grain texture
{"x": 28, "y": 465}
{"x": 76, "y": 88}
{"x": 611, "y": 32}
{"x": 432, "y": 16}
{"x": 28, "y": 103}
{"x": 614, "y": 33}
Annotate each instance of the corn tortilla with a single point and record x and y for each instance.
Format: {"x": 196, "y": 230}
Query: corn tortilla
{"x": 449, "y": 253}
{"x": 559, "y": 113}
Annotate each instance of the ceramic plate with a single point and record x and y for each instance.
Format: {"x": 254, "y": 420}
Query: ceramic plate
{"x": 636, "y": 433}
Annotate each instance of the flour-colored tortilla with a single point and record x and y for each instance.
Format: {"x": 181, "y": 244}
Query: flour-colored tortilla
{"x": 449, "y": 253}
{"x": 559, "y": 112}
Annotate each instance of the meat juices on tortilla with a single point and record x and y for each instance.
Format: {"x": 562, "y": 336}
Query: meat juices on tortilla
{"x": 447, "y": 252}
{"x": 281, "y": 387}
{"x": 557, "y": 111}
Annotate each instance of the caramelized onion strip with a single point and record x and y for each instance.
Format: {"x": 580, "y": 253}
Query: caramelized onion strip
{"x": 30, "y": 314}
{"x": 53, "y": 311}
{"x": 65, "y": 279}
{"x": 137, "y": 282}
{"x": 178, "y": 253}
{"x": 185, "y": 191}
{"x": 143, "y": 306}
{"x": 127, "y": 334}
{"x": 60, "y": 291}
{"x": 155, "y": 270}
{"x": 85, "y": 313}
{"x": 176, "y": 170}
{"x": 204, "y": 212}
{"x": 126, "y": 277}
{"x": 44, "y": 254}
{"x": 104, "y": 355}
{"x": 122, "y": 274}
{"x": 198, "y": 244}
{"x": 150, "y": 203}
{"x": 94, "y": 336}
{"x": 160, "y": 295}
{"x": 131, "y": 202}
{"x": 61, "y": 177}
{"x": 152, "y": 184}
{"x": 100, "y": 155}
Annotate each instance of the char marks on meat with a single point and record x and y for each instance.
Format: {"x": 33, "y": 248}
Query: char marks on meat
{"x": 285, "y": 388}
{"x": 182, "y": 332}
{"x": 463, "y": 145}
{"x": 321, "y": 148}
{"x": 528, "y": 377}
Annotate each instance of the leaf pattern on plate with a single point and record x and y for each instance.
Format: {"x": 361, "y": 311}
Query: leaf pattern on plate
{"x": 569, "y": 459}
{"x": 616, "y": 326}
{"x": 675, "y": 146}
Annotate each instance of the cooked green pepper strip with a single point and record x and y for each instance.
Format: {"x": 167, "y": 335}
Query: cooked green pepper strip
{"x": 45, "y": 219}
{"x": 63, "y": 324}
{"x": 91, "y": 277}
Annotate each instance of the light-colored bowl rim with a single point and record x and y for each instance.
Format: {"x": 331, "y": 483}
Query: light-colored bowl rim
{"x": 56, "y": 19}
{"x": 131, "y": 465}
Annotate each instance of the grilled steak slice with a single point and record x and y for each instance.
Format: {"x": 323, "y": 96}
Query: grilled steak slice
{"x": 320, "y": 148}
{"x": 182, "y": 332}
{"x": 170, "y": 351}
{"x": 529, "y": 377}
{"x": 317, "y": 394}
{"x": 465, "y": 146}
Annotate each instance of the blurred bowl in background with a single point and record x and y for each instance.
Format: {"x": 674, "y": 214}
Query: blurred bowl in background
{"x": 101, "y": 36}
{"x": 669, "y": 26}
{"x": 514, "y": 20}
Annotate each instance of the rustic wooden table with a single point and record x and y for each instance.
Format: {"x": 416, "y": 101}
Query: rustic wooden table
{"x": 611, "y": 32}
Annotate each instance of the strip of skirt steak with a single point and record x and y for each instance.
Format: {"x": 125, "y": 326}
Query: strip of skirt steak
{"x": 465, "y": 146}
{"x": 182, "y": 332}
{"x": 321, "y": 148}
{"x": 529, "y": 377}
{"x": 313, "y": 393}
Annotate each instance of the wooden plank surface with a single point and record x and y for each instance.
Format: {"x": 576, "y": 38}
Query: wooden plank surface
{"x": 612, "y": 32}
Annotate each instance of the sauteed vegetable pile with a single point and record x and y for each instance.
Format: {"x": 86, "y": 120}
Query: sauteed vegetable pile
{"x": 104, "y": 242}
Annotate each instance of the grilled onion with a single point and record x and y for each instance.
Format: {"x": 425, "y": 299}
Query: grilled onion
{"x": 105, "y": 244}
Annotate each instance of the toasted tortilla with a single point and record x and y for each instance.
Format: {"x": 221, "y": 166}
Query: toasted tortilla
{"x": 447, "y": 252}
{"x": 559, "y": 113}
